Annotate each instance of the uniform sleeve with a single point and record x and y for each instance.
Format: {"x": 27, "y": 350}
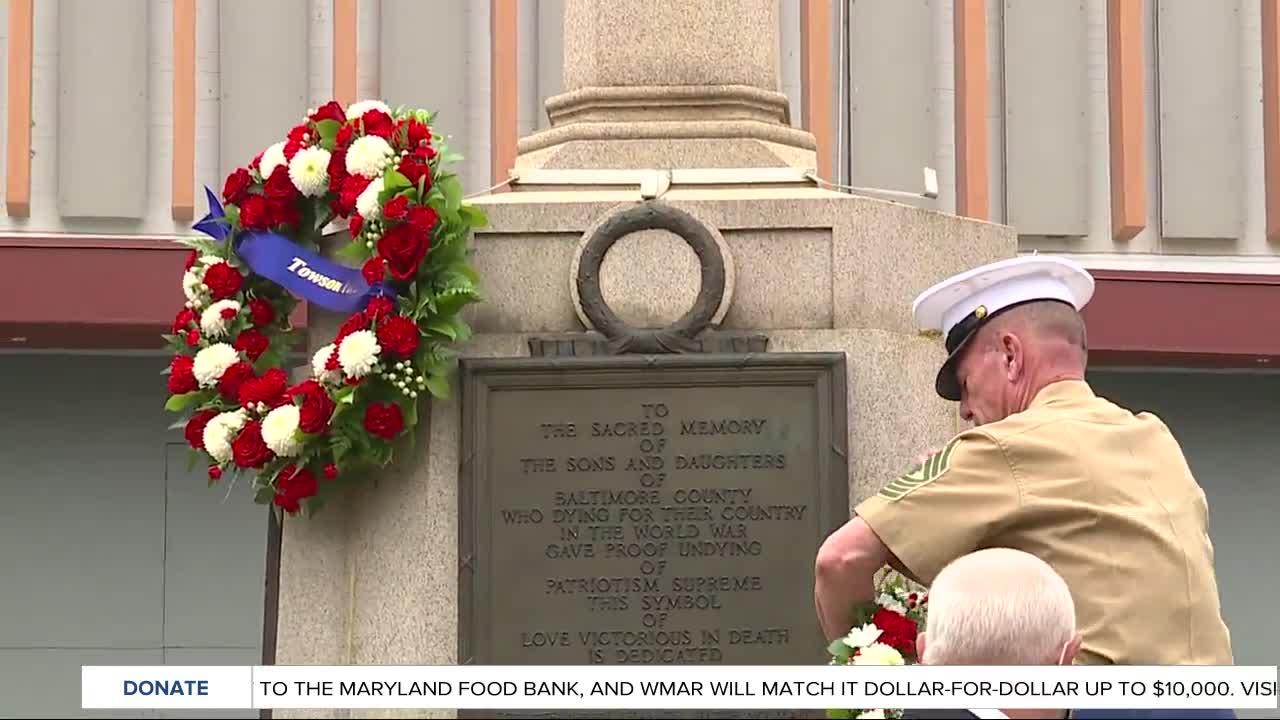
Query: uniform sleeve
{"x": 945, "y": 507}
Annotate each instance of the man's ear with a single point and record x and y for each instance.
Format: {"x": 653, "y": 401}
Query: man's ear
{"x": 920, "y": 648}
{"x": 1014, "y": 355}
{"x": 1070, "y": 649}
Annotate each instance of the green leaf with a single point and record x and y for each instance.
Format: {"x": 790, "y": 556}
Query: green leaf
{"x": 838, "y": 648}
{"x": 452, "y": 189}
{"x": 328, "y": 130}
{"x": 840, "y": 714}
{"x": 451, "y": 300}
{"x": 395, "y": 181}
{"x": 193, "y": 456}
{"x": 269, "y": 359}
{"x": 410, "y": 408}
{"x": 178, "y": 403}
{"x": 354, "y": 251}
{"x": 438, "y": 386}
{"x": 233, "y": 215}
{"x": 345, "y": 395}
{"x": 178, "y": 424}
{"x": 473, "y": 216}
{"x": 442, "y": 326}
{"x": 263, "y": 495}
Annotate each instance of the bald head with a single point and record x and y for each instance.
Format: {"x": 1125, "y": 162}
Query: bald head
{"x": 999, "y": 607}
{"x": 1054, "y": 326}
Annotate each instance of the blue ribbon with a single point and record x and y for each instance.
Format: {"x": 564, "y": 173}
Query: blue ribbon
{"x": 300, "y": 271}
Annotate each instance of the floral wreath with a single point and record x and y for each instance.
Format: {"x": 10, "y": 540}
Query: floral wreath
{"x": 382, "y": 171}
{"x": 884, "y": 633}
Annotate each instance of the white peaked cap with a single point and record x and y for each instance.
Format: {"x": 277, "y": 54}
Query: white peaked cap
{"x": 974, "y": 295}
{"x": 1000, "y": 285}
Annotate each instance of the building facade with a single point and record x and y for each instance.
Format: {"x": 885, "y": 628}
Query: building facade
{"x": 1141, "y": 137}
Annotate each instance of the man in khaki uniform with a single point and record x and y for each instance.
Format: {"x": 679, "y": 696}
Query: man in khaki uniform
{"x": 1102, "y": 495}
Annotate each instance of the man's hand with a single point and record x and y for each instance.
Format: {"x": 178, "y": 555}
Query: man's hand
{"x": 925, "y": 456}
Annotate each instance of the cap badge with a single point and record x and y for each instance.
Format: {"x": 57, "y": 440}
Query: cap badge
{"x": 981, "y": 312}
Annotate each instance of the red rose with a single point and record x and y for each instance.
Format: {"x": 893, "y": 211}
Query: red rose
{"x": 256, "y": 163}
{"x": 413, "y": 170}
{"x": 354, "y": 323}
{"x": 332, "y": 363}
{"x": 351, "y": 189}
{"x": 423, "y": 218}
{"x": 424, "y": 152}
{"x": 249, "y": 450}
{"x": 337, "y": 169}
{"x": 377, "y": 122}
{"x": 181, "y": 379}
{"x": 374, "y": 270}
{"x": 398, "y": 335}
{"x": 383, "y": 420}
{"x": 252, "y": 343}
{"x": 255, "y": 213}
{"x": 262, "y": 312}
{"x": 193, "y": 338}
{"x": 279, "y": 187}
{"x": 403, "y": 246}
{"x": 345, "y": 134}
{"x": 293, "y": 485}
{"x": 191, "y": 260}
{"x": 298, "y": 133}
{"x": 331, "y": 110}
{"x": 237, "y": 186}
{"x": 267, "y": 389}
{"x": 232, "y": 378}
{"x": 316, "y": 409}
{"x": 379, "y": 307}
{"x": 412, "y": 132}
{"x": 285, "y": 212}
{"x": 357, "y": 222}
{"x": 194, "y": 430}
{"x": 222, "y": 280}
{"x": 215, "y": 472}
{"x": 330, "y": 471}
{"x": 185, "y": 317}
{"x": 896, "y": 630}
{"x": 228, "y": 313}
{"x": 396, "y": 208}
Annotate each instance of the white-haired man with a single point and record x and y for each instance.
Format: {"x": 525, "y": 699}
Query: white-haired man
{"x": 998, "y": 607}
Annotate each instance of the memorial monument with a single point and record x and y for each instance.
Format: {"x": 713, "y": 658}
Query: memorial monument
{"x": 691, "y": 360}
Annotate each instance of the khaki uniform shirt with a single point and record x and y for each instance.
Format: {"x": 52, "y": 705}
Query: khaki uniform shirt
{"x": 1103, "y": 495}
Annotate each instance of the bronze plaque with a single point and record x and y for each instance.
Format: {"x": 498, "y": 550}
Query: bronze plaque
{"x": 648, "y": 509}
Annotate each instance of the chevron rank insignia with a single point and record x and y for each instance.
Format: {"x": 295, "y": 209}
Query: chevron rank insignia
{"x": 933, "y": 468}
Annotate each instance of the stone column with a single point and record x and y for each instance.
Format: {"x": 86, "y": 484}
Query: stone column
{"x": 669, "y": 84}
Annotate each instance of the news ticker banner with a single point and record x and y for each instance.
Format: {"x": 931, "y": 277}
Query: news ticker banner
{"x": 607, "y": 687}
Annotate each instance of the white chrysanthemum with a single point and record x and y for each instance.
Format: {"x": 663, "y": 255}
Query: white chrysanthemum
{"x": 358, "y": 109}
{"x": 367, "y": 204}
{"x": 272, "y": 157}
{"x": 358, "y": 353}
{"x": 211, "y": 362}
{"x": 879, "y": 654}
{"x": 219, "y": 433}
{"x": 212, "y": 323}
{"x": 367, "y": 155}
{"x": 309, "y": 171}
{"x": 204, "y": 261}
{"x": 192, "y": 284}
{"x": 860, "y": 637}
{"x": 871, "y": 715}
{"x": 278, "y": 429}
{"x": 318, "y": 362}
